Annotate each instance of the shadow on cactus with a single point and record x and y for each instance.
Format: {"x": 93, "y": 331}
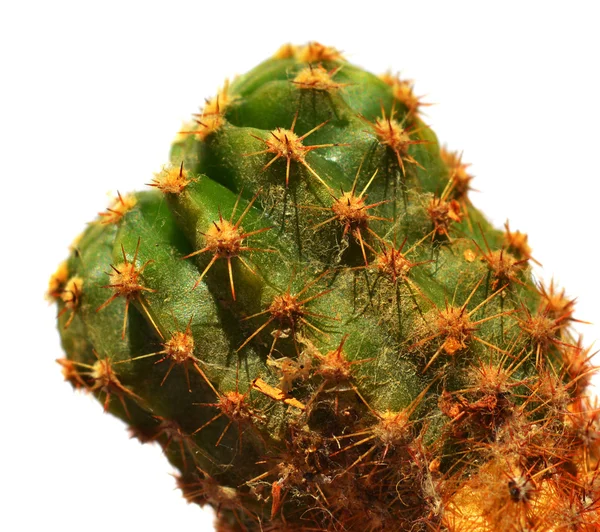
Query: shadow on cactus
{"x": 311, "y": 318}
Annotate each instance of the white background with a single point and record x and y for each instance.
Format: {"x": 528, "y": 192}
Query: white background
{"x": 91, "y": 96}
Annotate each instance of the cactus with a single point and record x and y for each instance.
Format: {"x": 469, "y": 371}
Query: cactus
{"x": 322, "y": 332}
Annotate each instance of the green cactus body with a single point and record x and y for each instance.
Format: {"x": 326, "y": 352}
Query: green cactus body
{"x": 322, "y": 331}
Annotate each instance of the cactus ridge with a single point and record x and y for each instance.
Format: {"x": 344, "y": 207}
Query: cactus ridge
{"x": 310, "y": 316}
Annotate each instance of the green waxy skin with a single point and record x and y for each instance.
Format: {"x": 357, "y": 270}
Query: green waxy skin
{"x": 375, "y": 398}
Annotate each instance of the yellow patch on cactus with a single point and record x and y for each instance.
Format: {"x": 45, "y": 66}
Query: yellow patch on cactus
{"x": 57, "y": 281}
{"x": 120, "y": 206}
{"x": 171, "y": 180}
{"x": 315, "y": 52}
{"x": 317, "y": 78}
